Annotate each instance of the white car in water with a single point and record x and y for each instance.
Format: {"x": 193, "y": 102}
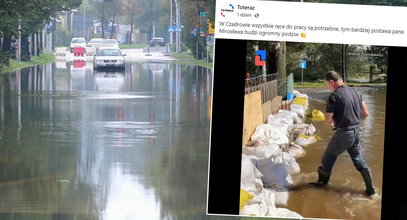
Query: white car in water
{"x": 110, "y": 43}
{"x": 77, "y": 42}
{"x": 95, "y": 42}
{"x": 108, "y": 57}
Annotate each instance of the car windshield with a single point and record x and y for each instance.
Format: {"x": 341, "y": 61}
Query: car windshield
{"x": 78, "y": 40}
{"x": 109, "y": 52}
{"x": 157, "y": 39}
{"x": 96, "y": 41}
{"x": 110, "y": 41}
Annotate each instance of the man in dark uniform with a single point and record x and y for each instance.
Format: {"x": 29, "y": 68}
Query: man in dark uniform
{"x": 345, "y": 109}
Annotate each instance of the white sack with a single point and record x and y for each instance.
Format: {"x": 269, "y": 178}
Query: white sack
{"x": 262, "y": 151}
{"x": 303, "y": 142}
{"x": 283, "y": 212}
{"x": 281, "y": 196}
{"x": 267, "y": 134}
{"x": 298, "y": 109}
{"x": 250, "y": 176}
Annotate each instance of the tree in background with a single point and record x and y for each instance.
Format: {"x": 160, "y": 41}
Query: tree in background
{"x": 131, "y": 8}
{"x": 31, "y": 15}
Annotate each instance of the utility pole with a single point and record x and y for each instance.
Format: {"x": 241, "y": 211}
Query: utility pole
{"x": 171, "y": 23}
{"x": 103, "y": 19}
{"x": 84, "y": 18}
{"x": 177, "y": 22}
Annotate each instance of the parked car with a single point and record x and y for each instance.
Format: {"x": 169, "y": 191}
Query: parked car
{"x": 110, "y": 43}
{"x": 108, "y": 57}
{"x": 157, "y": 41}
{"x": 95, "y": 42}
{"x": 77, "y": 42}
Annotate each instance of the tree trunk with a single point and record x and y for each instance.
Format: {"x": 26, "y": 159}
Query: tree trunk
{"x": 38, "y": 43}
{"x": 281, "y": 58}
{"x": 25, "y": 48}
{"x": 271, "y": 58}
{"x": 131, "y": 29}
{"x": 6, "y": 44}
{"x": 5, "y": 51}
{"x": 32, "y": 40}
{"x": 371, "y": 73}
{"x": 111, "y": 32}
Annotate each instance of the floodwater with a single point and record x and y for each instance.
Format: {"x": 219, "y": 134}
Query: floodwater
{"x": 78, "y": 144}
{"x": 343, "y": 198}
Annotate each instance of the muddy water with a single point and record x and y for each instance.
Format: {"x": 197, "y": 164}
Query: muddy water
{"x": 343, "y": 198}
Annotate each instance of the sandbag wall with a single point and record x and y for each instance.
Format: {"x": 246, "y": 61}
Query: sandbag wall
{"x": 269, "y": 160}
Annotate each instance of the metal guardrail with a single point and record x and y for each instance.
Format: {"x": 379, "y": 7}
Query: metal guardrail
{"x": 254, "y": 84}
{"x": 269, "y": 85}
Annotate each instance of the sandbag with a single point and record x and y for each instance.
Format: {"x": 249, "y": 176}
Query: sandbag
{"x": 296, "y": 150}
{"x": 256, "y": 209}
{"x": 244, "y": 198}
{"x": 265, "y": 196}
{"x": 305, "y": 140}
{"x": 282, "y": 118}
{"x": 289, "y": 163}
{"x": 317, "y": 115}
{"x": 302, "y": 128}
{"x": 301, "y": 101}
{"x": 283, "y": 212}
{"x": 262, "y": 151}
{"x": 296, "y": 92}
{"x": 302, "y": 95}
{"x": 267, "y": 134}
{"x": 298, "y": 109}
{"x": 276, "y": 169}
{"x": 280, "y": 197}
{"x": 250, "y": 176}
{"x": 274, "y": 174}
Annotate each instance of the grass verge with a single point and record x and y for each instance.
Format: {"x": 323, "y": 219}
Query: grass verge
{"x": 187, "y": 59}
{"x": 41, "y": 59}
{"x": 320, "y": 84}
{"x": 128, "y": 46}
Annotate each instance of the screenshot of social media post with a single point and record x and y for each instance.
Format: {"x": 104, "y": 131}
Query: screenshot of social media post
{"x": 310, "y": 115}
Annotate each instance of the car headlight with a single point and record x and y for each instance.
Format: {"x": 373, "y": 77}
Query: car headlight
{"x": 99, "y": 61}
{"x": 120, "y": 61}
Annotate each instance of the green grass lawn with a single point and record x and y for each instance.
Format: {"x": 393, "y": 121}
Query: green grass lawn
{"x": 321, "y": 84}
{"x": 128, "y": 46}
{"x": 15, "y": 65}
{"x": 186, "y": 58}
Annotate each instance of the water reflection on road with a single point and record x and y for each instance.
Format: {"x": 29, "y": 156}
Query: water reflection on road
{"x": 78, "y": 144}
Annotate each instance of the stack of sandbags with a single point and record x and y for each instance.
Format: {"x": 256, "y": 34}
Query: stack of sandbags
{"x": 299, "y": 105}
{"x": 283, "y": 119}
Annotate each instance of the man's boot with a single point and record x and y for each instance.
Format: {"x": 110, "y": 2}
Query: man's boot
{"x": 323, "y": 178}
{"x": 370, "y": 190}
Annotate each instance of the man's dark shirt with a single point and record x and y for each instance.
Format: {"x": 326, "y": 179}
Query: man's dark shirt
{"x": 345, "y": 104}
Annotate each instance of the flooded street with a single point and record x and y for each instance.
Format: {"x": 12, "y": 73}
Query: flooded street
{"x": 343, "y": 198}
{"x": 78, "y": 144}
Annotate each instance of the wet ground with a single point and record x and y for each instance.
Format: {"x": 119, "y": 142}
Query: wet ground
{"x": 78, "y": 144}
{"x": 343, "y": 198}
